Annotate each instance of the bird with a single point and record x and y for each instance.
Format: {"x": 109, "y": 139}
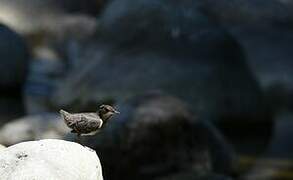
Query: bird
{"x": 87, "y": 124}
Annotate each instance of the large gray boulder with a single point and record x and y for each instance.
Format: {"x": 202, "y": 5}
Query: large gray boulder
{"x": 49, "y": 159}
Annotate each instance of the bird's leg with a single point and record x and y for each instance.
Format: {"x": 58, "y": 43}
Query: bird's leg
{"x": 78, "y": 138}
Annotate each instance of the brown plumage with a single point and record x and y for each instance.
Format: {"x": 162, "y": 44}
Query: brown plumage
{"x": 88, "y": 123}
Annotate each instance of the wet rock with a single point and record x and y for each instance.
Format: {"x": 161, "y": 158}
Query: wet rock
{"x": 184, "y": 54}
{"x": 49, "y": 159}
{"x": 156, "y": 135}
{"x": 40, "y": 126}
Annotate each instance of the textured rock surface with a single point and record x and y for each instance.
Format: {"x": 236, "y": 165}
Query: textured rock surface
{"x": 49, "y": 159}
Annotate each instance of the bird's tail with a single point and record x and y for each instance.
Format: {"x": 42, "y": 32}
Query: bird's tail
{"x": 65, "y": 115}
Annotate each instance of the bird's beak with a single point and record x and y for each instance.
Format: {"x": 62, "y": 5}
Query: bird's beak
{"x": 116, "y": 112}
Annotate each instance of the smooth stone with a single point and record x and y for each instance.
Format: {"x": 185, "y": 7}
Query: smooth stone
{"x": 49, "y": 159}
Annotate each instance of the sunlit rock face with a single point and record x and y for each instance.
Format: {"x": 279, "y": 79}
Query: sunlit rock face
{"x": 49, "y": 159}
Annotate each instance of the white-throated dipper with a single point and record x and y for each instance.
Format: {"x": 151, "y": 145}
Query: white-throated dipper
{"x": 88, "y": 123}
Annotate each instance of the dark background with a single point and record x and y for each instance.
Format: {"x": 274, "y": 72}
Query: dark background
{"x": 204, "y": 87}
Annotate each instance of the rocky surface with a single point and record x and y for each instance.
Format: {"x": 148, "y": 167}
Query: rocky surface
{"x": 156, "y": 135}
{"x": 49, "y": 159}
{"x": 46, "y": 125}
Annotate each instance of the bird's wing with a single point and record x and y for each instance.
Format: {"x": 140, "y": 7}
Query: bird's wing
{"x": 87, "y": 124}
{"x": 68, "y": 118}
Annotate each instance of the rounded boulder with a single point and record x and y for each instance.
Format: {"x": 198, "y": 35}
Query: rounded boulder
{"x": 49, "y": 159}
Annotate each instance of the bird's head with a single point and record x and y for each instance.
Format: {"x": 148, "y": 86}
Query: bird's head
{"x": 106, "y": 111}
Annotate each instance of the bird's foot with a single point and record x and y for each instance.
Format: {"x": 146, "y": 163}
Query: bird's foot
{"x": 78, "y": 139}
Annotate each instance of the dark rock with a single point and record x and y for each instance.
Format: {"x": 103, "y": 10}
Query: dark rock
{"x": 14, "y": 58}
{"x": 269, "y": 55}
{"x": 264, "y": 29}
{"x": 156, "y": 135}
{"x": 277, "y": 160}
{"x": 172, "y": 47}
